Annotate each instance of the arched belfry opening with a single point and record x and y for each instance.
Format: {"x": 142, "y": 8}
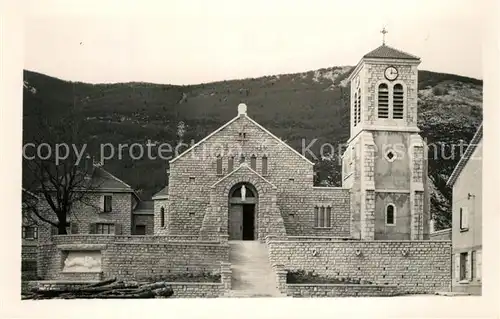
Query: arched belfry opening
{"x": 243, "y": 199}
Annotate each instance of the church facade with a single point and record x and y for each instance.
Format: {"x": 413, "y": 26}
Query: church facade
{"x": 244, "y": 182}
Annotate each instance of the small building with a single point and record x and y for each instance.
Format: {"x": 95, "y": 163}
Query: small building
{"x": 466, "y": 181}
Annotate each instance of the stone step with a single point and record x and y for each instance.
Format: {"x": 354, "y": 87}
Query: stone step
{"x": 252, "y": 274}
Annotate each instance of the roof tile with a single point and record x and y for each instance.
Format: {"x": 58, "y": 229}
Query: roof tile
{"x": 387, "y": 52}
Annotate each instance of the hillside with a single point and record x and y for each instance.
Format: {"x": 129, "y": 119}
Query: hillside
{"x": 310, "y": 105}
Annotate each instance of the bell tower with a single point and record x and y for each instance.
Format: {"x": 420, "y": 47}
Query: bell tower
{"x": 385, "y": 163}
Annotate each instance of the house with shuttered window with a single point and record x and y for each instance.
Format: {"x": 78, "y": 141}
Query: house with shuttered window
{"x": 110, "y": 208}
{"x": 466, "y": 181}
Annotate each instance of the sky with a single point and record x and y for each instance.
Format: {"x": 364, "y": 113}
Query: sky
{"x": 190, "y": 42}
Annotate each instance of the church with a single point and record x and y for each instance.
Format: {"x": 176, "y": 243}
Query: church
{"x": 241, "y": 205}
{"x": 244, "y": 182}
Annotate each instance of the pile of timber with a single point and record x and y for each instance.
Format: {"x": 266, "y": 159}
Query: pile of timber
{"x": 107, "y": 289}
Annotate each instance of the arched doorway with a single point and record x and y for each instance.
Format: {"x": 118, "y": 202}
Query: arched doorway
{"x": 242, "y": 212}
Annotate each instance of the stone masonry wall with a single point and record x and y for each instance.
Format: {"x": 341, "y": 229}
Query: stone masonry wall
{"x": 335, "y": 197}
{"x": 84, "y": 215}
{"x": 326, "y": 290}
{"x": 29, "y": 261}
{"x": 444, "y": 234}
{"x": 147, "y": 220}
{"x": 193, "y": 174}
{"x": 408, "y": 77}
{"x": 413, "y": 266}
{"x": 160, "y": 229}
{"x": 135, "y": 257}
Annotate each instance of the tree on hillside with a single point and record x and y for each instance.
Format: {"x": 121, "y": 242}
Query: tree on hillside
{"x": 60, "y": 182}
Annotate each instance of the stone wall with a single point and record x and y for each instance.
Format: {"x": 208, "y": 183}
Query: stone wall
{"x": 146, "y": 220}
{"x": 134, "y": 257}
{"x": 160, "y": 229}
{"x": 29, "y": 261}
{"x": 197, "y": 289}
{"x": 335, "y": 197}
{"x": 327, "y": 290}
{"x": 84, "y": 215}
{"x": 413, "y": 266}
{"x": 444, "y": 234}
{"x": 195, "y": 172}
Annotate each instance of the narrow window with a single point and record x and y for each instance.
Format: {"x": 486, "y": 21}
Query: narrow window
{"x": 264, "y": 165}
{"x": 398, "y": 102}
{"x": 230, "y": 164}
{"x": 322, "y": 216}
{"x": 473, "y": 274}
{"x": 162, "y": 217}
{"x": 359, "y": 105}
{"x": 253, "y": 162}
{"x": 383, "y": 101}
{"x": 107, "y": 203}
{"x": 355, "y": 108}
{"x": 463, "y": 266}
{"x": 389, "y": 215}
{"x": 464, "y": 218}
{"x": 316, "y": 216}
{"x": 328, "y": 216}
{"x": 242, "y": 159}
{"x": 219, "y": 165}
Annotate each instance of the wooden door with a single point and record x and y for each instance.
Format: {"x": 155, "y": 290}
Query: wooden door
{"x": 236, "y": 222}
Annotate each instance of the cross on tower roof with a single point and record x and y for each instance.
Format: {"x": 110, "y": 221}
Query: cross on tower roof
{"x": 384, "y": 32}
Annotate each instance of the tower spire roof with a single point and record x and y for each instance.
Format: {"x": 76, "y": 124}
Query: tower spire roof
{"x": 386, "y": 52}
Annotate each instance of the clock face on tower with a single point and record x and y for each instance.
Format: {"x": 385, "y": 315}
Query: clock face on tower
{"x": 391, "y": 73}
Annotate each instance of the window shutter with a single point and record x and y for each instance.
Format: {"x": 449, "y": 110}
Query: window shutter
{"x": 328, "y": 216}
{"x": 466, "y": 217}
{"x": 101, "y": 204}
{"x": 457, "y": 267}
{"x": 469, "y": 266}
{"x": 316, "y": 217}
{"x": 264, "y": 165}
{"x": 92, "y": 228}
{"x": 74, "y": 228}
{"x": 478, "y": 264}
{"x": 118, "y": 229}
{"x": 219, "y": 165}
{"x": 383, "y": 101}
{"x": 398, "y": 102}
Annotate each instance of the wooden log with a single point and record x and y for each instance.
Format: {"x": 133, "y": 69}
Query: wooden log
{"x": 101, "y": 283}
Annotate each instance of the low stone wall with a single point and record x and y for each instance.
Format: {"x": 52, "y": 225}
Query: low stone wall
{"x": 133, "y": 257}
{"x": 411, "y": 266}
{"x": 328, "y": 290}
{"x": 444, "y": 234}
{"x": 181, "y": 289}
{"x": 83, "y": 276}
{"x": 197, "y": 290}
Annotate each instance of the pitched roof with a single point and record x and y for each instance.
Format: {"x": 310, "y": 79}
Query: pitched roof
{"x": 387, "y": 52}
{"x": 102, "y": 179}
{"x": 162, "y": 193}
{"x": 144, "y": 207}
{"x": 233, "y": 120}
{"x": 465, "y": 158}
